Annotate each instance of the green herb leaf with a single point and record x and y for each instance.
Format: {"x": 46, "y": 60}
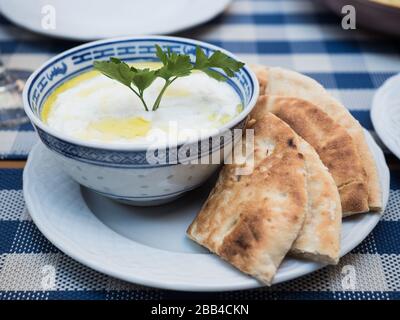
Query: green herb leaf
{"x": 143, "y": 78}
{"x": 175, "y": 66}
{"x": 214, "y": 74}
{"x": 226, "y": 63}
{"x": 201, "y": 59}
{"x": 161, "y": 54}
{"x": 116, "y": 70}
{"x": 217, "y": 60}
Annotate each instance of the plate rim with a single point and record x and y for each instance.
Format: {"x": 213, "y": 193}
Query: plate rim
{"x": 249, "y": 283}
{"x": 223, "y": 5}
{"x": 379, "y": 125}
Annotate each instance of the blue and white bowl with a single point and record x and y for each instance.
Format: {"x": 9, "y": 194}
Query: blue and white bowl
{"x": 123, "y": 172}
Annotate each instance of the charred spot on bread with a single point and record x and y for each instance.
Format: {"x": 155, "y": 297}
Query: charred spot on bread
{"x": 290, "y": 143}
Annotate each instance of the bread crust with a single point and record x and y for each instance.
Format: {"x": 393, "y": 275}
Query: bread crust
{"x": 251, "y": 221}
{"x": 319, "y": 238}
{"x": 282, "y": 82}
{"x": 333, "y": 144}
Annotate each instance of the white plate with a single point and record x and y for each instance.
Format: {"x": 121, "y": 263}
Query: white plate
{"x": 385, "y": 114}
{"x": 148, "y": 246}
{"x": 89, "y": 20}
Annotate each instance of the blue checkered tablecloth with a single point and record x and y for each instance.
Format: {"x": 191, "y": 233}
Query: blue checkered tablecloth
{"x": 296, "y": 34}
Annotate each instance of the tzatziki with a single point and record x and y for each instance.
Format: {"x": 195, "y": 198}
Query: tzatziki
{"x": 93, "y": 107}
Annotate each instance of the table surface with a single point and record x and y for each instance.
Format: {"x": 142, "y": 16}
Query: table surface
{"x": 295, "y": 34}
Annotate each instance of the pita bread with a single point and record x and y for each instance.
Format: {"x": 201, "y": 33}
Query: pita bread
{"x": 251, "y": 221}
{"x": 319, "y": 238}
{"x": 331, "y": 141}
{"x": 262, "y": 76}
{"x": 282, "y": 82}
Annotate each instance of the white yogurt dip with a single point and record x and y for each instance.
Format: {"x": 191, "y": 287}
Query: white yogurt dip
{"x": 93, "y": 107}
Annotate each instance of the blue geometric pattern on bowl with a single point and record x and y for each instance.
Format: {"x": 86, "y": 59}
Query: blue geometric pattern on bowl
{"x": 131, "y": 159}
{"x": 80, "y": 59}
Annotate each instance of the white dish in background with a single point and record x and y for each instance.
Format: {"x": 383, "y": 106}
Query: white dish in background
{"x": 148, "y": 246}
{"x": 385, "y": 114}
{"x": 89, "y": 20}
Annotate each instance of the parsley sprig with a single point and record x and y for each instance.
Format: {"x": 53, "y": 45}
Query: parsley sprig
{"x": 175, "y": 65}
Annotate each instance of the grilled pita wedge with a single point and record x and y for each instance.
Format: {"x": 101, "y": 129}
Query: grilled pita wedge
{"x": 281, "y": 82}
{"x": 252, "y": 220}
{"x": 319, "y": 238}
{"x": 333, "y": 144}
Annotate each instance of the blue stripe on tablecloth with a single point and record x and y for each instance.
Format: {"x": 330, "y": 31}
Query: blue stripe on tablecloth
{"x": 23, "y": 127}
{"x": 279, "y": 19}
{"x": 42, "y": 46}
{"x": 386, "y": 235}
{"x": 8, "y": 230}
{"x": 26, "y": 127}
{"x": 309, "y": 46}
{"x": 4, "y": 21}
{"x": 363, "y": 116}
{"x": 11, "y": 156}
{"x": 351, "y": 80}
{"x": 28, "y": 239}
{"x": 10, "y": 179}
{"x": 245, "y": 47}
{"x": 394, "y": 179}
{"x": 382, "y": 240}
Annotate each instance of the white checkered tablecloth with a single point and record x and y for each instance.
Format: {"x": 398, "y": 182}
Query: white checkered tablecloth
{"x": 296, "y": 34}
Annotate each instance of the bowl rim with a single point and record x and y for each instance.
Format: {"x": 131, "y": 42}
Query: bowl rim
{"x": 131, "y": 146}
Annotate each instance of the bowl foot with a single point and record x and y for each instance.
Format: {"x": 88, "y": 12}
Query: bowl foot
{"x": 148, "y": 203}
{"x": 140, "y": 202}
